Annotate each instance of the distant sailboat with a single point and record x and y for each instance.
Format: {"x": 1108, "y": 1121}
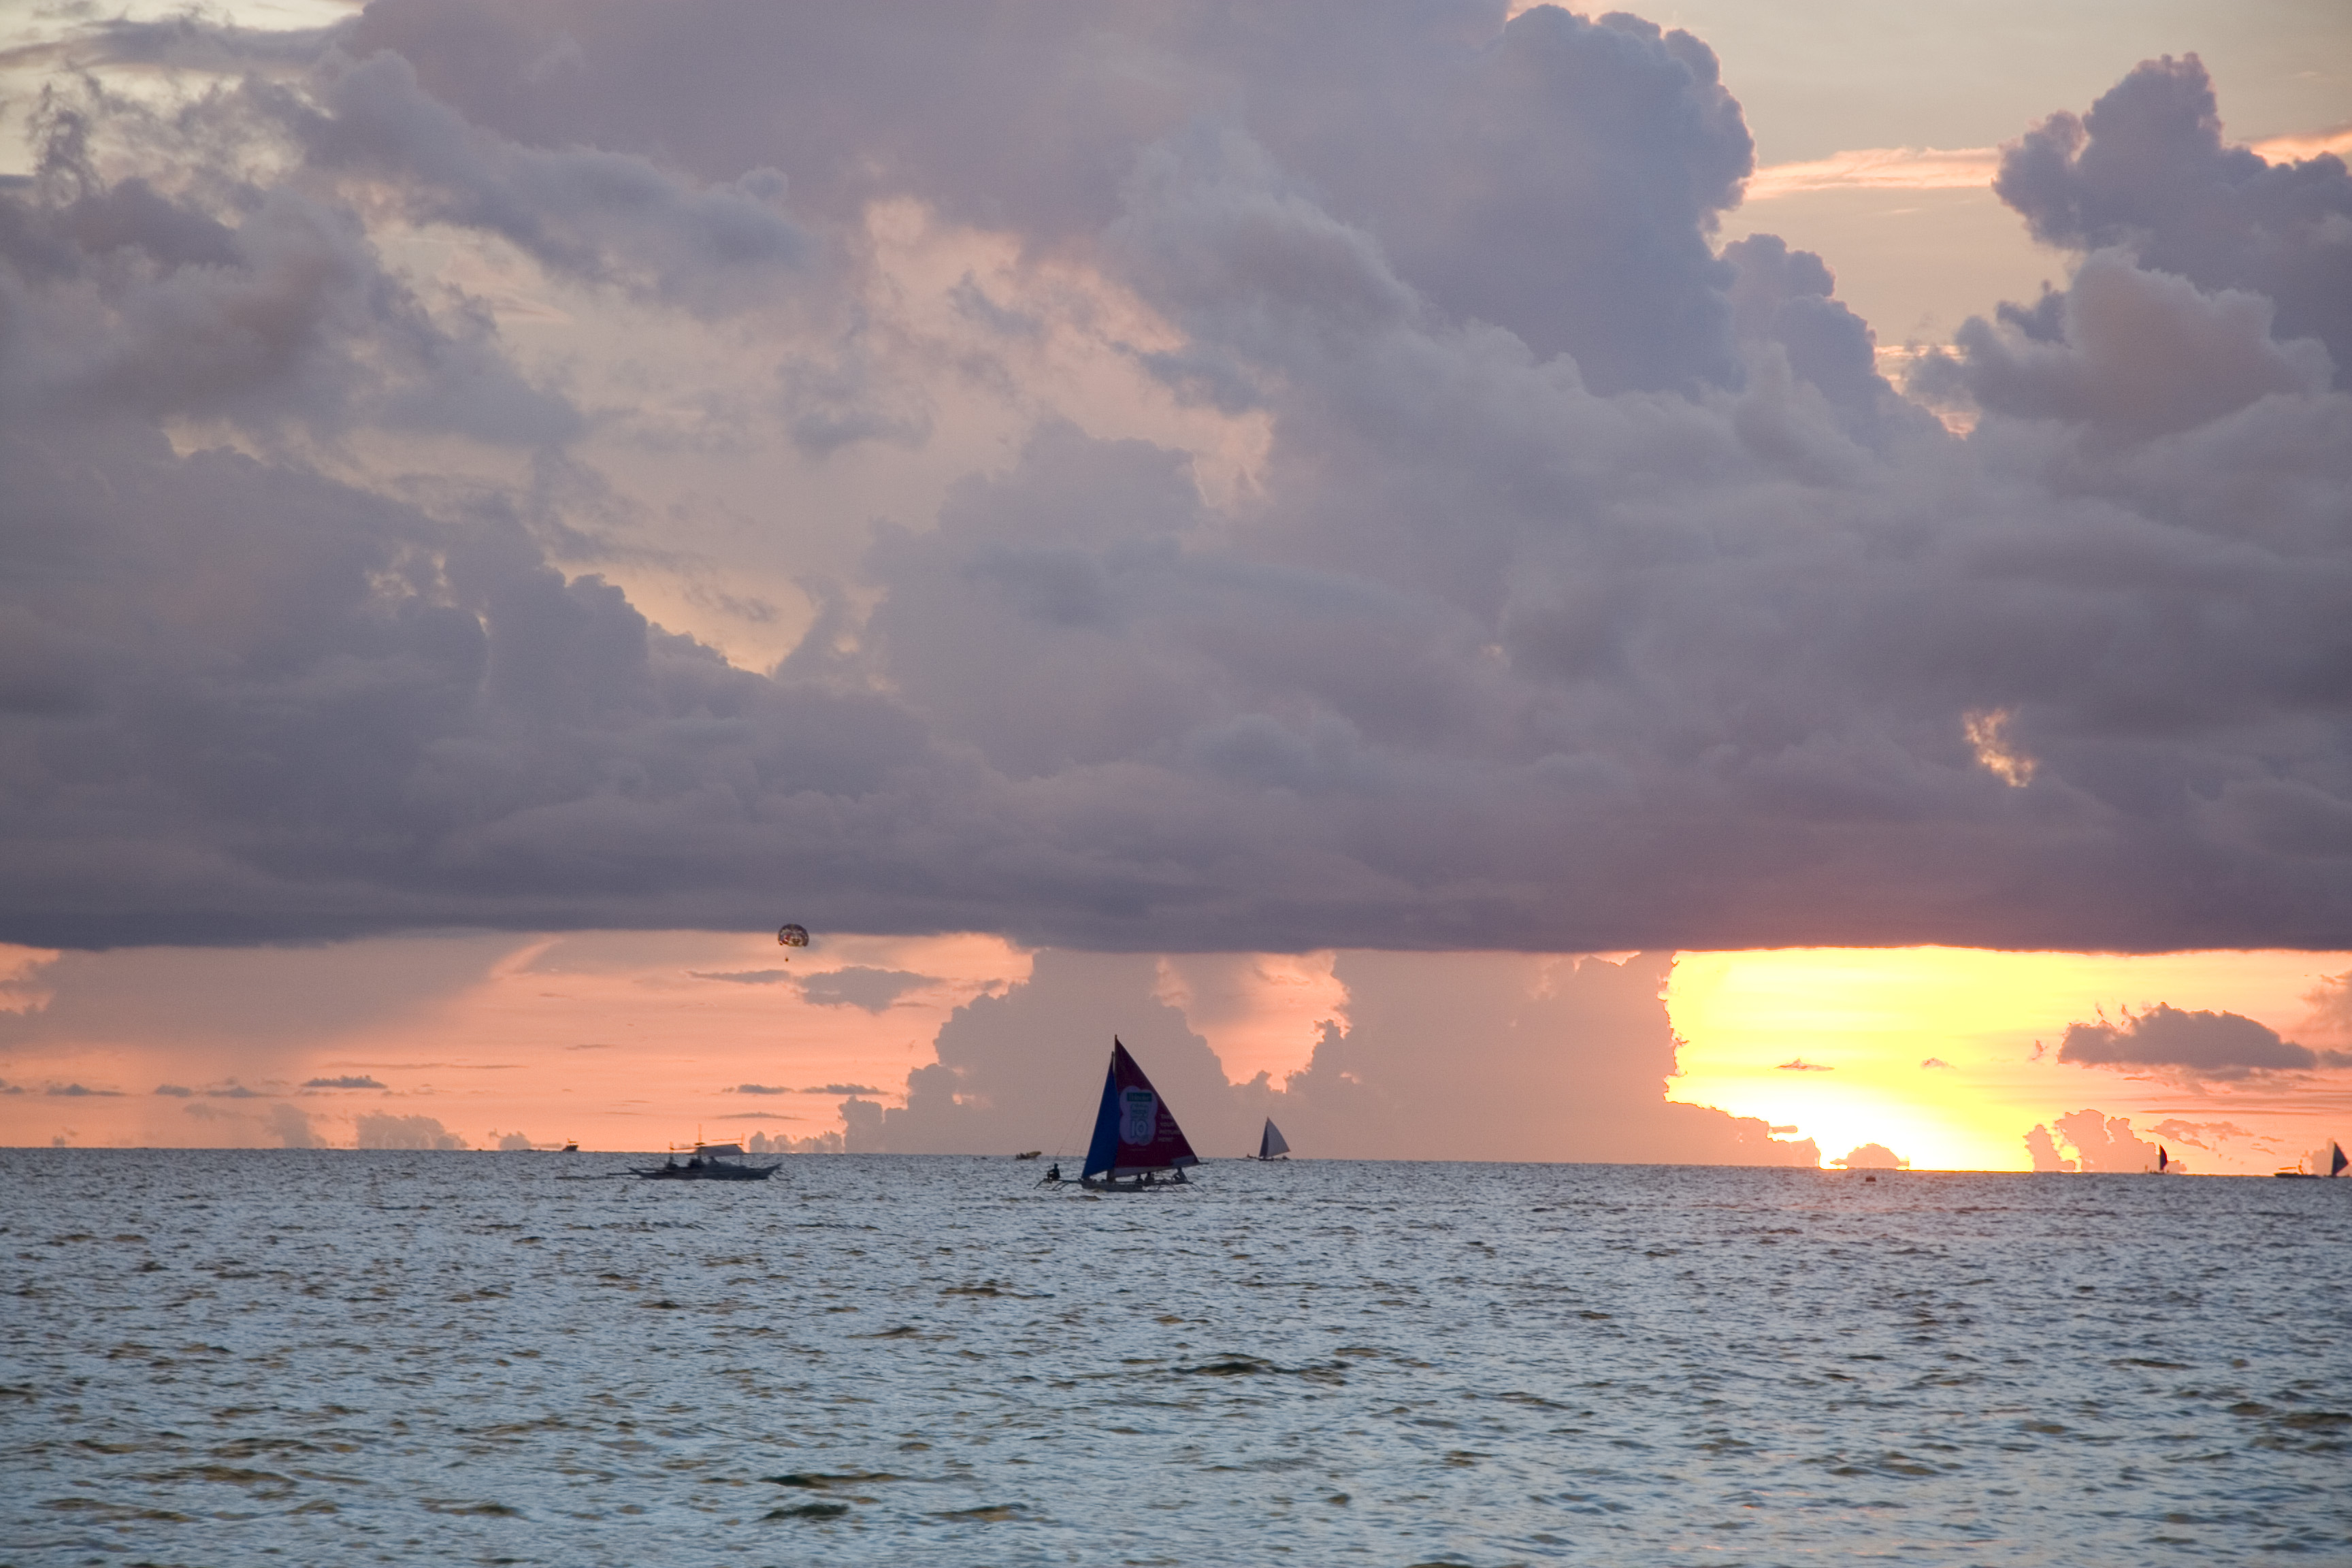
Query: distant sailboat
{"x": 2163, "y": 1160}
{"x": 1137, "y": 1143}
{"x": 1271, "y": 1145}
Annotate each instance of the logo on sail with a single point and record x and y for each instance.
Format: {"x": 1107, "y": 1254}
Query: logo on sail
{"x": 1141, "y": 1120}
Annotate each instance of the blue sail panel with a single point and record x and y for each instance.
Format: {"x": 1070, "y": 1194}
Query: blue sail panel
{"x": 1103, "y": 1152}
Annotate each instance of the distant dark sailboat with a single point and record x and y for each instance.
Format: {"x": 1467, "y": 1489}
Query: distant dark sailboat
{"x": 2163, "y": 1160}
{"x": 1137, "y": 1143}
{"x": 1271, "y": 1144}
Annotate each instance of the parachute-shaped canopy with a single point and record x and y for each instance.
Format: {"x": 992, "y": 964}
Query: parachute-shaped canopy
{"x": 791, "y": 936}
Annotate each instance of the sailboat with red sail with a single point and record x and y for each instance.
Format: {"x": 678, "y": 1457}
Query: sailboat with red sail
{"x": 1137, "y": 1143}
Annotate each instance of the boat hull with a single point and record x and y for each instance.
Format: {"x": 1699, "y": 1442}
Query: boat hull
{"x": 705, "y": 1172}
{"x": 1131, "y": 1185}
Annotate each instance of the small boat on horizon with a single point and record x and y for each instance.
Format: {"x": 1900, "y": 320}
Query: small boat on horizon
{"x": 707, "y": 1163}
{"x": 1271, "y": 1144}
{"x": 2327, "y": 1160}
{"x": 1136, "y": 1145}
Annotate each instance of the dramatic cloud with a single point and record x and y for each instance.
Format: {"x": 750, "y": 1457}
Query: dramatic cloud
{"x": 1500, "y": 566}
{"x": 2222, "y": 1045}
{"x": 2147, "y": 170}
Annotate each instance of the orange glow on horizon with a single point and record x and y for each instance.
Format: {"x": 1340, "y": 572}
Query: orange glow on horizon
{"x": 639, "y": 1039}
{"x": 1836, "y": 1043}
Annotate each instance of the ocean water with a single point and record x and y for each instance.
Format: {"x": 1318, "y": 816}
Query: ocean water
{"x": 231, "y": 1357}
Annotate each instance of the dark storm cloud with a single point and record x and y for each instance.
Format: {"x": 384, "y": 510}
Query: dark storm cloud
{"x": 2194, "y": 1044}
{"x": 2147, "y": 170}
{"x": 1594, "y": 593}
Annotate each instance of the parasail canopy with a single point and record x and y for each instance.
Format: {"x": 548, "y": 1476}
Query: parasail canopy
{"x": 791, "y": 936}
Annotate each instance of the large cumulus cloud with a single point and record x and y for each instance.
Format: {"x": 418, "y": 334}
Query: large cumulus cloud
{"x": 2146, "y": 169}
{"x": 1592, "y": 592}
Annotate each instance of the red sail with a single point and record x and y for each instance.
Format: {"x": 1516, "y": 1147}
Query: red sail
{"x": 1134, "y": 1131}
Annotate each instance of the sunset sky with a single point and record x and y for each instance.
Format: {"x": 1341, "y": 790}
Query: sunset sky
{"x": 1484, "y": 581}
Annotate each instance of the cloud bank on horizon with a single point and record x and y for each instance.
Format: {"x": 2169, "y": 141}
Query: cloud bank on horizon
{"x": 1581, "y": 588}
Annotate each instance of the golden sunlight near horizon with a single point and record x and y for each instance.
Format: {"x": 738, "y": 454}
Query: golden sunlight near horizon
{"x": 1946, "y": 1056}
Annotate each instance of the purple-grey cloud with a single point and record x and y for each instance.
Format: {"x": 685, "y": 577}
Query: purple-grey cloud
{"x": 858, "y": 986}
{"x": 2147, "y": 170}
{"x": 1591, "y": 595}
{"x": 348, "y": 1080}
{"x": 2194, "y": 1044}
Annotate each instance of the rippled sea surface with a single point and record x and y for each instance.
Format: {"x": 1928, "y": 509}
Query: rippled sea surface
{"x": 332, "y": 1357}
